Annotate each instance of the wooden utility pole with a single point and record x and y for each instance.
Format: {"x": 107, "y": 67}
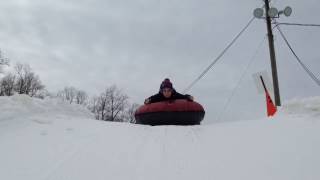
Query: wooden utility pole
{"x": 272, "y": 57}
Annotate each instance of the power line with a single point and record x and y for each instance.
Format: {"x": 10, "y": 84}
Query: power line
{"x": 241, "y": 78}
{"x": 220, "y": 55}
{"x": 308, "y": 71}
{"x": 296, "y": 24}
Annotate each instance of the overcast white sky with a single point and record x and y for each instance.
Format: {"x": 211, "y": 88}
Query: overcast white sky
{"x": 135, "y": 44}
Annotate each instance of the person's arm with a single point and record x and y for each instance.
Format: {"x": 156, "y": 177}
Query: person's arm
{"x": 153, "y": 99}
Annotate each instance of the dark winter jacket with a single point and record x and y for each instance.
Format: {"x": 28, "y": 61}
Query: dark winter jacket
{"x": 175, "y": 95}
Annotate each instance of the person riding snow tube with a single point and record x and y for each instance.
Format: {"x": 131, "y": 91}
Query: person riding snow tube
{"x": 168, "y": 107}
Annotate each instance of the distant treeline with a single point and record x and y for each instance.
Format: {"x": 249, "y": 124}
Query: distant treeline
{"x": 111, "y": 105}
{"x": 22, "y": 81}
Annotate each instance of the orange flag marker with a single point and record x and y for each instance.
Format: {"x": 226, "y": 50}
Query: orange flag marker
{"x": 271, "y": 108}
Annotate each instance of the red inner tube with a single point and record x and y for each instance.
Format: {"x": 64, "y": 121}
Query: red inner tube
{"x": 170, "y": 112}
{"x": 170, "y": 106}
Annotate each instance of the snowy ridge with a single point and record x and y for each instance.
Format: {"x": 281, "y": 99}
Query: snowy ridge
{"x": 50, "y": 140}
{"x": 306, "y": 106}
{"x": 23, "y": 106}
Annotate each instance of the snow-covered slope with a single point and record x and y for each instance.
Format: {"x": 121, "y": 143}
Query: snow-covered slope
{"x": 51, "y": 140}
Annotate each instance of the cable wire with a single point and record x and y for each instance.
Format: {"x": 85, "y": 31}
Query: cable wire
{"x": 242, "y": 77}
{"x": 308, "y": 71}
{"x": 296, "y": 24}
{"x": 220, "y": 55}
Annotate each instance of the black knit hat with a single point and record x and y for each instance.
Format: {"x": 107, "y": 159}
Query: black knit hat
{"x": 166, "y": 84}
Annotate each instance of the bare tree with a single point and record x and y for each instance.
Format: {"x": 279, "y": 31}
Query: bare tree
{"x": 110, "y": 105}
{"x": 34, "y": 87}
{"x": 101, "y": 106}
{"x": 93, "y": 106}
{"x": 81, "y": 97}
{"x": 68, "y": 94}
{"x": 43, "y": 93}
{"x": 26, "y": 80}
{"x": 61, "y": 95}
{"x": 20, "y": 70}
{"x": 7, "y": 85}
{"x": 130, "y": 113}
{"x": 30, "y": 79}
{"x": 116, "y": 104}
{"x": 72, "y": 95}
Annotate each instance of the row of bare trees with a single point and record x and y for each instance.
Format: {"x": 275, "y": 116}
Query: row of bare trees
{"x": 22, "y": 81}
{"x": 111, "y": 105}
{"x": 72, "y": 95}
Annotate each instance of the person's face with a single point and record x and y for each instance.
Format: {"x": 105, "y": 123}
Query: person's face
{"x": 167, "y": 92}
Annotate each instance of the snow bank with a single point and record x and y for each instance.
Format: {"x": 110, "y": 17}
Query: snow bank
{"x": 23, "y": 106}
{"x": 285, "y": 147}
{"x": 307, "y": 106}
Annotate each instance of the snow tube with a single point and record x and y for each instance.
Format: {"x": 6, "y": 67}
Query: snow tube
{"x": 177, "y": 112}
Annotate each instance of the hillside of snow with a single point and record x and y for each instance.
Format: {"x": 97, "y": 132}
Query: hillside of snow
{"x": 51, "y": 140}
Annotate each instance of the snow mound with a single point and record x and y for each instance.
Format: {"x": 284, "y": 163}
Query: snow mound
{"x": 22, "y": 106}
{"x": 47, "y": 140}
{"x": 303, "y": 106}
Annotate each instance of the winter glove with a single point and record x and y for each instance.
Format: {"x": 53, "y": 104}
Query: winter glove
{"x": 147, "y": 101}
{"x": 190, "y": 98}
